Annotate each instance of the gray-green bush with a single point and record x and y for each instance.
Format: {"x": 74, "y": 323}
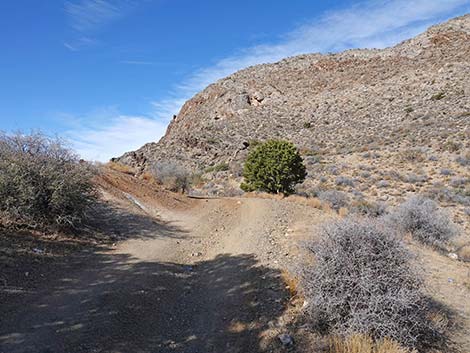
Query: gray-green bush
{"x": 42, "y": 182}
{"x": 424, "y": 220}
{"x": 172, "y": 176}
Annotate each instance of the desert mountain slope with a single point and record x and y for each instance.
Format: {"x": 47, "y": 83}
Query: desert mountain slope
{"x": 414, "y": 94}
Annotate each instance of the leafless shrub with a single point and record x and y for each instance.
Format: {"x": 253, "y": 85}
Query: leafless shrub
{"x": 464, "y": 159}
{"x": 335, "y": 170}
{"x": 42, "y": 182}
{"x": 344, "y": 181}
{"x": 335, "y": 199}
{"x": 414, "y": 179}
{"x": 383, "y": 184}
{"x": 368, "y": 208}
{"x": 458, "y": 182}
{"x": 425, "y": 221}
{"x": 394, "y": 175}
{"x": 363, "y": 282}
{"x": 172, "y": 176}
{"x": 446, "y": 172}
{"x": 443, "y": 194}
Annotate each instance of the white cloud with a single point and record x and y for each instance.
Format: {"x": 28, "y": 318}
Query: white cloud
{"x": 88, "y": 15}
{"x": 373, "y": 24}
{"x": 119, "y": 135}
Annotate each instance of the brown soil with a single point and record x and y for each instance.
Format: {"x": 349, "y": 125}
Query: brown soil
{"x": 164, "y": 273}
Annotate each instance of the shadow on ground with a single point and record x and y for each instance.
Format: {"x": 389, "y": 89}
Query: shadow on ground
{"x": 28, "y": 258}
{"x": 110, "y": 222}
{"x": 112, "y": 304}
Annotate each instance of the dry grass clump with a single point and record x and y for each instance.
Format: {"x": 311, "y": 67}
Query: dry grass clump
{"x": 364, "y": 344}
{"x": 363, "y": 282}
{"x": 424, "y": 220}
{"x": 171, "y": 176}
{"x": 305, "y": 200}
{"x": 42, "y": 182}
{"x": 121, "y": 168}
{"x": 464, "y": 253}
{"x": 291, "y": 282}
{"x": 413, "y": 155}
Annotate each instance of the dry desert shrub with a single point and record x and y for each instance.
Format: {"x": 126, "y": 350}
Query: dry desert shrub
{"x": 464, "y": 159}
{"x": 364, "y": 344}
{"x": 334, "y": 199}
{"x": 424, "y": 220}
{"x": 42, "y": 182}
{"x": 363, "y": 283}
{"x": 172, "y": 176}
{"x": 344, "y": 181}
{"x": 368, "y": 208}
{"x": 412, "y": 155}
{"x": 464, "y": 253}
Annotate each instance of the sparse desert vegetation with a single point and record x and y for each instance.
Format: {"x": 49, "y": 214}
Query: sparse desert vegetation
{"x": 320, "y": 204}
{"x": 43, "y": 183}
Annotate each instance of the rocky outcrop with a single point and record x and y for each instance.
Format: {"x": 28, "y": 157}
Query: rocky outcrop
{"x": 414, "y": 94}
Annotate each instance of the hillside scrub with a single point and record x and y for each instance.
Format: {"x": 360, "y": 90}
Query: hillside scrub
{"x": 424, "y": 220}
{"x": 275, "y": 167}
{"x": 171, "y": 176}
{"x": 42, "y": 182}
{"x": 363, "y": 283}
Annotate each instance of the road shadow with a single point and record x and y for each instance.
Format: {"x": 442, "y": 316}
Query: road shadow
{"x": 28, "y": 257}
{"x": 117, "y": 305}
{"x": 110, "y": 223}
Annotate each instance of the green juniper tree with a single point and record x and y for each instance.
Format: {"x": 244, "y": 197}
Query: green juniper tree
{"x": 274, "y": 166}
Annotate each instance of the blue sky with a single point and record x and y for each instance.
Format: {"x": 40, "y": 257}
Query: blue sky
{"x": 109, "y": 74}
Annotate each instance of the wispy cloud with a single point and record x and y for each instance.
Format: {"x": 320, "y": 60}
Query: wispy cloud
{"x": 150, "y": 63}
{"x": 87, "y": 16}
{"x": 138, "y": 62}
{"x": 373, "y": 24}
{"x": 118, "y": 134}
{"x": 79, "y": 43}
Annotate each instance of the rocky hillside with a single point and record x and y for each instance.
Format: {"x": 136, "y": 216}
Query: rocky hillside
{"x": 414, "y": 94}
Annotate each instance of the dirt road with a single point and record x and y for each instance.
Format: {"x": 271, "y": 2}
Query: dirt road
{"x": 184, "y": 276}
{"x": 197, "y": 280}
